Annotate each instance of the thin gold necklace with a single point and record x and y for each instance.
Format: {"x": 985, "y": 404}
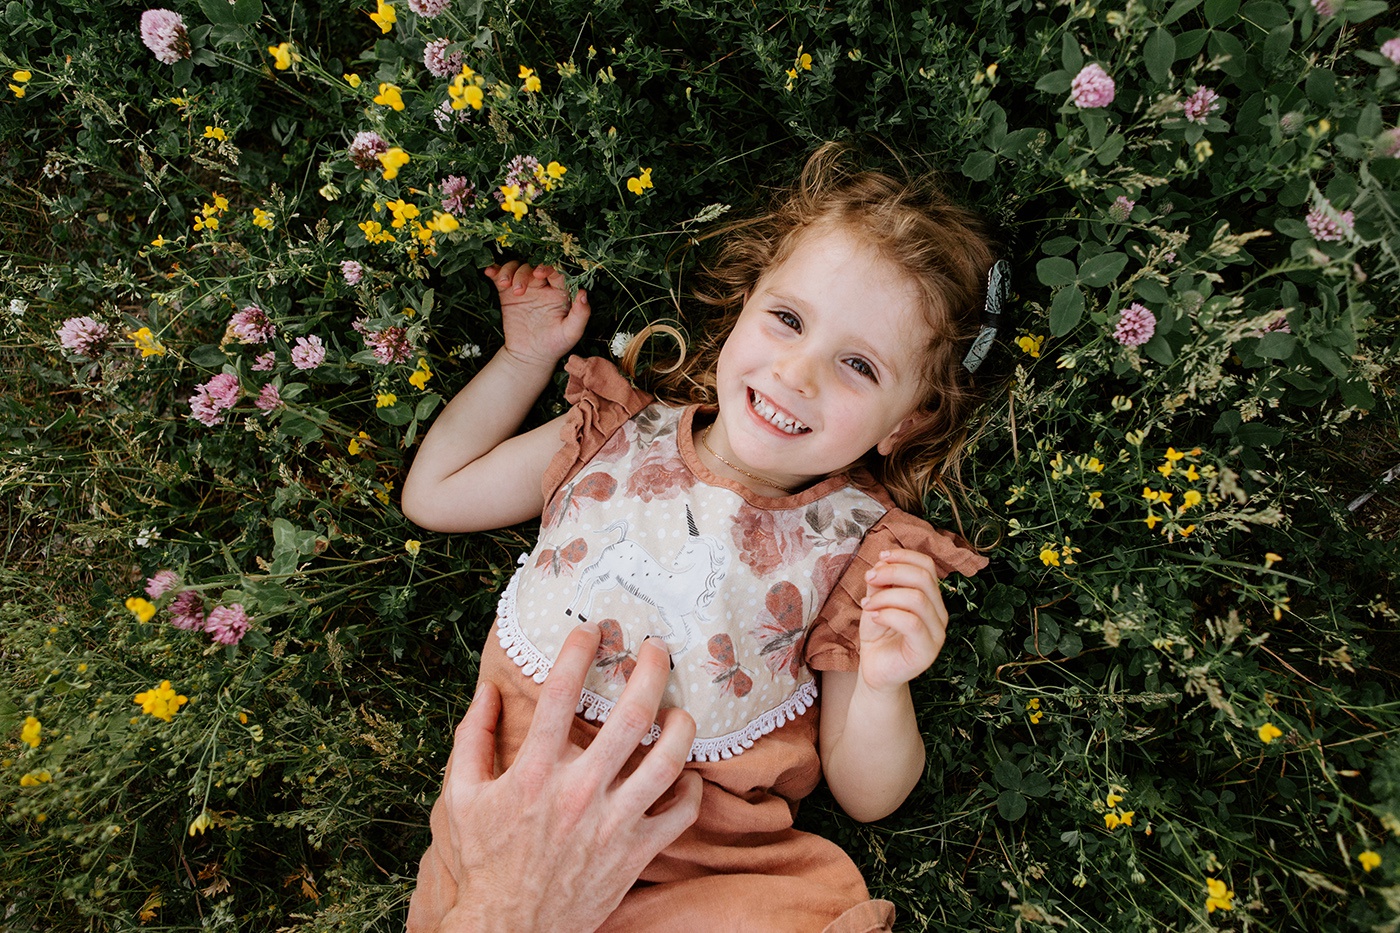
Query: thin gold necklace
{"x": 705, "y": 440}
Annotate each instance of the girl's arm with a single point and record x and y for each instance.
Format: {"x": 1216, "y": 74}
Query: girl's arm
{"x": 872, "y": 767}
{"x": 472, "y": 471}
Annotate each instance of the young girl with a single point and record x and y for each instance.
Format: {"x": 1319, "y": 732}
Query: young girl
{"x": 756, "y": 517}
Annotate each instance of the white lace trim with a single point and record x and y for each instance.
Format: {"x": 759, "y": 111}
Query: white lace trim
{"x": 591, "y": 706}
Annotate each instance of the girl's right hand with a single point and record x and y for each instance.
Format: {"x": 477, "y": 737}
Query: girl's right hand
{"x": 539, "y": 321}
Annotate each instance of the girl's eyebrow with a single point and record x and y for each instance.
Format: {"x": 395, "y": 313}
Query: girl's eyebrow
{"x": 863, "y": 345}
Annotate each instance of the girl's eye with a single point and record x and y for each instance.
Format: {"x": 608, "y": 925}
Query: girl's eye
{"x": 862, "y": 367}
{"x": 789, "y": 319}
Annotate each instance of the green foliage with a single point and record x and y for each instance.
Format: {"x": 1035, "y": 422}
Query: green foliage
{"x": 1174, "y": 565}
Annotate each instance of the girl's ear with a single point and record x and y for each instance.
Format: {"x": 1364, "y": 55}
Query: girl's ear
{"x": 887, "y": 442}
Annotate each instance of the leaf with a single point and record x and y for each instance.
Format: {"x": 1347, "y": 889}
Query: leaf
{"x": 1276, "y": 346}
{"x": 1007, "y": 774}
{"x": 1059, "y": 246}
{"x": 1071, "y": 57}
{"x": 1159, "y": 351}
{"x": 1278, "y": 44}
{"x": 1321, "y": 86}
{"x": 1179, "y": 9}
{"x": 1066, "y": 310}
{"x": 1113, "y": 146}
{"x": 1266, "y": 14}
{"x": 1035, "y": 785}
{"x": 235, "y": 13}
{"x": 208, "y": 357}
{"x": 1151, "y": 291}
{"x": 1329, "y": 358}
{"x": 987, "y": 642}
{"x": 979, "y": 165}
{"x": 396, "y": 414}
{"x": 426, "y": 405}
{"x": 1055, "y": 270}
{"x": 1102, "y": 269}
{"x": 1011, "y": 805}
{"x": 1224, "y": 43}
{"x": 1056, "y": 82}
{"x": 1218, "y": 11}
{"x": 1158, "y": 53}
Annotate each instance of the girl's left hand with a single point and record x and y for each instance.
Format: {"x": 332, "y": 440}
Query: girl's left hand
{"x": 903, "y": 621}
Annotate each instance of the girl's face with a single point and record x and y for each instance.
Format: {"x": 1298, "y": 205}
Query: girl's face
{"x": 823, "y": 364}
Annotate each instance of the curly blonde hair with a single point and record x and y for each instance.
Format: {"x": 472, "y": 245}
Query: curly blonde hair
{"x": 941, "y": 247}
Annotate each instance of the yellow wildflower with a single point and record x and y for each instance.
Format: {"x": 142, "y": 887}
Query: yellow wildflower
{"x": 1189, "y": 499}
{"x": 158, "y": 242}
{"x": 352, "y": 79}
{"x": 161, "y": 702}
{"x": 640, "y": 183}
{"x": 389, "y": 96}
{"x": 1152, "y": 520}
{"x": 804, "y": 60}
{"x": 1033, "y": 704}
{"x": 375, "y": 232}
{"x": 1165, "y": 469}
{"x": 463, "y": 94}
{"x": 208, "y": 221}
{"x": 1050, "y": 556}
{"x": 1191, "y": 473}
{"x": 383, "y": 494}
{"x": 443, "y": 223}
{"x": 283, "y": 55}
{"x": 262, "y": 218}
{"x": 1164, "y": 497}
{"x": 1187, "y": 530}
{"x": 1204, "y": 151}
{"x": 200, "y": 823}
{"x": 421, "y": 375}
{"x": 355, "y": 446}
{"x": 1150, "y": 494}
{"x": 403, "y": 212}
{"x": 1127, "y": 817}
{"x": 1268, "y": 732}
{"x": 384, "y": 17}
{"x": 513, "y": 203}
{"x": 1270, "y": 559}
{"x": 215, "y": 132}
{"x": 1219, "y": 897}
{"x": 146, "y": 342}
{"x": 385, "y": 399}
{"x": 1369, "y": 860}
{"x": 1096, "y": 499}
{"x": 21, "y": 76}
{"x": 35, "y": 778}
{"x": 1173, "y": 454}
{"x": 393, "y": 160}
{"x": 29, "y": 735}
{"x": 1112, "y": 820}
{"x": 143, "y": 609}
{"x": 412, "y": 546}
{"x": 532, "y": 81}
{"x": 1031, "y": 345}
{"x": 1112, "y": 800}
{"x": 1094, "y": 465}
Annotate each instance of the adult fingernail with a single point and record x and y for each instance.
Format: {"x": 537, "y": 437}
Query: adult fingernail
{"x": 589, "y": 627}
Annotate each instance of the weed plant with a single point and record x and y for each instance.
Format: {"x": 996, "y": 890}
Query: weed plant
{"x": 240, "y": 278}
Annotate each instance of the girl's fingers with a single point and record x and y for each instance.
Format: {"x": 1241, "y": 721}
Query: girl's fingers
{"x": 521, "y": 280}
{"x": 501, "y": 275}
{"x": 920, "y": 640}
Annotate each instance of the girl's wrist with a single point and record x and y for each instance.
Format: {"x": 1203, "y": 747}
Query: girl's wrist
{"x": 883, "y": 693}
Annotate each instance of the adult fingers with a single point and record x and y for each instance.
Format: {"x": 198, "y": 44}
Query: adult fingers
{"x": 473, "y": 755}
{"x": 673, "y": 815}
{"x": 634, "y": 712}
{"x": 663, "y": 763}
{"x": 554, "y": 714}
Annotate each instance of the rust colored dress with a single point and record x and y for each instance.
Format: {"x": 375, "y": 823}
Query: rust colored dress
{"x": 742, "y": 866}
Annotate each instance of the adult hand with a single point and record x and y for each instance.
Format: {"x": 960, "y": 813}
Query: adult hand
{"x": 557, "y": 840}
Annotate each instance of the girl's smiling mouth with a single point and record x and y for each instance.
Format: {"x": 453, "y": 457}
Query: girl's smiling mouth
{"x": 769, "y": 413}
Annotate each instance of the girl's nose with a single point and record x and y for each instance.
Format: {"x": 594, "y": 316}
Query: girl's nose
{"x": 797, "y": 371}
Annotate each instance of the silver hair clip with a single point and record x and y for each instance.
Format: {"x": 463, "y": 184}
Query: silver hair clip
{"x": 998, "y": 288}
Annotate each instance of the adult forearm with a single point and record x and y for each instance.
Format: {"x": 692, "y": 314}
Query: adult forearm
{"x": 879, "y": 757}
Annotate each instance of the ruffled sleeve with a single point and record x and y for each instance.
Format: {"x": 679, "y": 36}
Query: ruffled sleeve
{"x": 833, "y": 643}
{"x": 602, "y": 399}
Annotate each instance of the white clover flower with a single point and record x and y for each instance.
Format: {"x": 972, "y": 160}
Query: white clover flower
{"x": 619, "y": 343}
{"x": 468, "y": 351}
{"x": 18, "y": 307}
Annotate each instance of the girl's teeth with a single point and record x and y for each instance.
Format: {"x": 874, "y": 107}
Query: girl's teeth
{"x": 770, "y": 414}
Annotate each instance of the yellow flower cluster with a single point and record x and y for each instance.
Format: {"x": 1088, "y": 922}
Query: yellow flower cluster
{"x": 355, "y": 446}
{"x": 262, "y": 218}
{"x": 143, "y": 609}
{"x": 1030, "y": 345}
{"x": 421, "y": 375}
{"x": 412, "y": 546}
{"x": 393, "y": 160}
{"x": 35, "y": 778}
{"x": 466, "y": 90}
{"x": 1219, "y": 896}
{"x": 548, "y": 175}
{"x": 208, "y": 216}
{"x": 1116, "y": 816}
{"x": 1036, "y": 713}
{"x": 403, "y": 212}
{"x": 20, "y": 79}
{"x": 375, "y": 233}
{"x": 802, "y": 61}
{"x": 216, "y": 133}
{"x": 161, "y": 702}
{"x": 640, "y": 183}
{"x": 1190, "y": 498}
{"x": 1268, "y": 732}
{"x": 385, "y": 400}
{"x": 283, "y": 54}
{"x": 384, "y": 16}
{"x": 532, "y": 81}
{"x": 29, "y": 735}
{"x": 1369, "y": 860}
{"x": 146, "y": 342}
{"x": 390, "y": 95}
{"x": 1051, "y": 554}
